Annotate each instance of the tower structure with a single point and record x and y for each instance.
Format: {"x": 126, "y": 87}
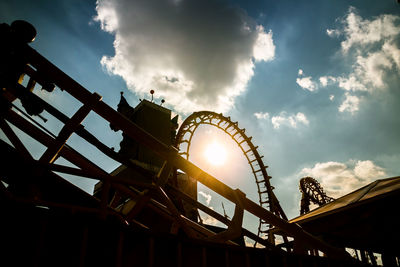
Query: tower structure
{"x": 154, "y": 119}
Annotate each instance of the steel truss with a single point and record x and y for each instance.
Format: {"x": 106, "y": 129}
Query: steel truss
{"x": 266, "y": 196}
{"x": 312, "y": 191}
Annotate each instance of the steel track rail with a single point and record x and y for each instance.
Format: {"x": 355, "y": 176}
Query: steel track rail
{"x": 267, "y": 199}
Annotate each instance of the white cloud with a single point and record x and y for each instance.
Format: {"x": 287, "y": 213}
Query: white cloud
{"x": 351, "y": 83}
{"x": 306, "y": 82}
{"x": 277, "y": 121}
{"x": 368, "y": 170}
{"x": 323, "y": 80}
{"x": 338, "y": 179}
{"x": 392, "y": 52}
{"x": 107, "y": 16}
{"x": 206, "y": 196}
{"x": 370, "y": 69}
{"x": 195, "y": 54}
{"x": 326, "y": 80}
{"x": 360, "y": 32}
{"x": 372, "y": 47}
{"x": 262, "y": 115}
{"x": 291, "y": 120}
{"x": 350, "y": 104}
{"x": 264, "y": 48}
{"x": 331, "y": 97}
{"x": 207, "y": 219}
{"x": 300, "y": 117}
{"x": 332, "y": 33}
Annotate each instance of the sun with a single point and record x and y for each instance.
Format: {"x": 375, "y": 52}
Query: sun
{"x": 215, "y": 153}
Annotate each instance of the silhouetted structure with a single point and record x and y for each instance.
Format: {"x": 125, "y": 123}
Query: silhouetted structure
{"x": 266, "y": 196}
{"x": 154, "y": 119}
{"x": 137, "y": 215}
{"x": 311, "y": 191}
{"x": 366, "y": 219}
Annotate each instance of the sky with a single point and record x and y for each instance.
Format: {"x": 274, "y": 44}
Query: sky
{"x": 316, "y": 83}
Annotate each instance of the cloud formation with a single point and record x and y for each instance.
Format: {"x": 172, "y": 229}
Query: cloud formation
{"x": 195, "y": 54}
{"x": 338, "y": 179}
{"x": 289, "y": 120}
{"x": 350, "y": 103}
{"x": 207, "y": 197}
{"x": 262, "y": 115}
{"x": 361, "y": 33}
{"x": 207, "y": 219}
{"x": 372, "y": 47}
{"x": 326, "y": 80}
{"x": 306, "y": 82}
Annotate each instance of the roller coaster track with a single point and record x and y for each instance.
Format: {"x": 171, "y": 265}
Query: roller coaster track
{"x": 34, "y": 186}
{"x": 267, "y": 198}
{"x": 311, "y": 190}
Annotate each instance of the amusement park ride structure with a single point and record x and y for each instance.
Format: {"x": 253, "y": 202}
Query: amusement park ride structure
{"x": 143, "y": 195}
{"x": 311, "y": 191}
{"x": 267, "y": 198}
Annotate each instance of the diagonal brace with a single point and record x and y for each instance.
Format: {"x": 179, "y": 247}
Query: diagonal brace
{"x": 50, "y": 155}
{"x": 235, "y": 227}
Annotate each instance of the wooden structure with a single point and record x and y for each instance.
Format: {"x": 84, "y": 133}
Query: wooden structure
{"x": 45, "y": 214}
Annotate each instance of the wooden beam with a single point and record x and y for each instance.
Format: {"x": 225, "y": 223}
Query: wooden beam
{"x": 174, "y": 211}
{"x": 88, "y": 168}
{"x": 69, "y": 128}
{"x": 235, "y": 226}
{"x": 14, "y": 139}
{"x": 163, "y": 174}
{"x": 141, "y": 200}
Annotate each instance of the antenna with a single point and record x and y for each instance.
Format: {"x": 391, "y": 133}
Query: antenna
{"x": 152, "y": 93}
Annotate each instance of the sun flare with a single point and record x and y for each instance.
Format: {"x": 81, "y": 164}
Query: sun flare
{"x": 215, "y": 154}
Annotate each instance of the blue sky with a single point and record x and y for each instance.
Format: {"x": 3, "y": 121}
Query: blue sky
{"x": 316, "y": 83}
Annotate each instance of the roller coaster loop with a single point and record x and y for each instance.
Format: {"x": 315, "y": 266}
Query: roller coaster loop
{"x": 267, "y": 198}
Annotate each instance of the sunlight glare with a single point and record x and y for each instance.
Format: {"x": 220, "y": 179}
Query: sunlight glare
{"x": 215, "y": 153}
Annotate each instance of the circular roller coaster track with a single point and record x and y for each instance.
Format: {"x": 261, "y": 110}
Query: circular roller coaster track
{"x": 312, "y": 191}
{"x": 267, "y": 198}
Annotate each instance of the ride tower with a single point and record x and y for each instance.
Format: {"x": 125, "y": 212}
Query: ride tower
{"x": 155, "y": 120}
